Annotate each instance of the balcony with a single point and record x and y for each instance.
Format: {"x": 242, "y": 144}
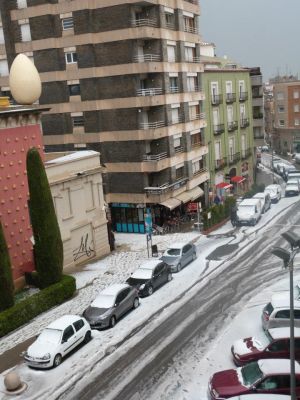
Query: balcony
{"x": 232, "y": 126}
{"x": 246, "y": 153}
{"x": 197, "y": 144}
{"x": 151, "y": 125}
{"x": 149, "y": 92}
{"x": 174, "y": 89}
{"x": 176, "y": 120}
{"x": 179, "y": 149}
{"x": 200, "y": 171}
{"x": 230, "y": 98}
{"x": 144, "y": 22}
{"x": 220, "y": 164}
{"x": 234, "y": 158}
{"x": 219, "y": 129}
{"x": 216, "y": 99}
{"x": 155, "y": 157}
{"x": 140, "y": 58}
{"x": 193, "y": 89}
{"x": 244, "y": 122}
{"x": 257, "y": 95}
{"x": 243, "y": 96}
{"x": 191, "y": 29}
{"x": 167, "y": 187}
{"x": 193, "y": 60}
{"x": 258, "y": 115}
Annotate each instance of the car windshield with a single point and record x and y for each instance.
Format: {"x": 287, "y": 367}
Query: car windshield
{"x": 173, "y": 252}
{"x": 50, "y": 336}
{"x": 251, "y": 373}
{"x": 247, "y": 209}
{"x": 261, "y": 340}
{"x": 271, "y": 191}
{"x": 142, "y": 273}
{"x": 104, "y": 301}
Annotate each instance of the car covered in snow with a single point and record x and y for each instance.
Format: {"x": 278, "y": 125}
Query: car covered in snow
{"x": 292, "y": 188}
{"x": 150, "y": 276}
{"x": 276, "y": 313}
{"x": 265, "y": 200}
{"x": 272, "y": 343}
{"x": 271, "y": 376}
{"x": 57, "y": 340}
{"x": 111, "y": 304}
{"x": 261, "y": 397}
{"x": 249, "y": 212}
{"x": 178, "y": 255}
{"x": 274, "y": 191}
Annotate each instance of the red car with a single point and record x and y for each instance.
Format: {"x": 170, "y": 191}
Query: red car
{"x": 263, "y": 376}
{"x": 273, "y": 343}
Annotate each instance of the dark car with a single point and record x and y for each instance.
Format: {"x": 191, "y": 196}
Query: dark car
{"x": 263, "y": 376}
{"x": 110, "y": 305}
{"x": 273, "y": 343}
{"x": 150, "y": 276}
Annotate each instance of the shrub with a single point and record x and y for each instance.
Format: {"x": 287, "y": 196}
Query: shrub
{"x": 219, "y": 212}
{"x": 6, "y": 280}
{"x": 23, "y": 312}
{"x": 254, "y": 189}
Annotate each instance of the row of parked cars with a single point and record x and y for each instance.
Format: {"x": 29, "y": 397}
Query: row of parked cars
{"x": 263, "y": 365}
{"x": 68, "y": 332}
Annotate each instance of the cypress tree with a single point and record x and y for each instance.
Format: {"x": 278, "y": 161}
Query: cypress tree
{"x": 6, "y": 280}
{"x": 48, "y": 247}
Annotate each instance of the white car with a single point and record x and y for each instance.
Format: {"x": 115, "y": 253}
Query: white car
{"x": 265, "y": 200}
{"x": 57, "y": 340}
{"x": 292, "y": 188}
{"x": 275, "y": 192}
{"x": 276, "y": 314}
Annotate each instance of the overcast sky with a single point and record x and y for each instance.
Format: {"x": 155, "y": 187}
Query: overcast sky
{"x": 262, "y": 33}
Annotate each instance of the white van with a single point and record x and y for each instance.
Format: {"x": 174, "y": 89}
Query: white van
{"x": 249, "y": 212}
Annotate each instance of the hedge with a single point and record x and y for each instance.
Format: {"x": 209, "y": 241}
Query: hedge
{"x": 23, "y": 312}
{"x": 254, "y": 189}
{"x": 218, "y": 212}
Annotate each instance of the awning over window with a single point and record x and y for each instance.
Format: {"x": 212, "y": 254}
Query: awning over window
{"x": 184, "y": 197}
{"x": 190, "y": 195}
{"x": 171, "y": 203}
{"x": 196, "y": 192}
{"x": 224, "y": 185}
{"x": 237, "y": 179}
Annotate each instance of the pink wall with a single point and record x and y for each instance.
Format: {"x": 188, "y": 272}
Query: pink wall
{"x": 14, "y": 215}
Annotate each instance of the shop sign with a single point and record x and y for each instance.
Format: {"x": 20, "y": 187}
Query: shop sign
{"x": 192, "y": 207}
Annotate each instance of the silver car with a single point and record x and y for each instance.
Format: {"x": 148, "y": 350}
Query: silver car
{"x": 110, "y": 305}
{"x": 178, "y": 255}
{"x": 276, "y": 313}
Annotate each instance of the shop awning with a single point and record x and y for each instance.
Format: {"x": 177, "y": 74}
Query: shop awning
{"x": 190, "y": 195}
{"x": 196, "y": 192}
{"x": 171, "y": 203}
{"x": 224, "y": 185}
{"x": 184, "y": 197}
{"x": 237, "y": 179}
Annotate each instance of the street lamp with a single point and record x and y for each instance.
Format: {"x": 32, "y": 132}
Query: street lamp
{"x": 288, "y": 261}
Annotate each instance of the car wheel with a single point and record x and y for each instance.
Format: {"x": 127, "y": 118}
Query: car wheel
{"x": 136, "y": 303}
{"x": 112, "y": 321}
{"x": 87, "y": 337}
{"x": 179, "y": 267}
{"x": 169, "y": 277}
{"x": 150, "y": 290}
{"x": 57, "y": 360}
{"x": 194, "y": 256}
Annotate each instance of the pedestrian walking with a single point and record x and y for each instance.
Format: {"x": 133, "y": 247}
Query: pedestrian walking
{"x": 233, "y": 215}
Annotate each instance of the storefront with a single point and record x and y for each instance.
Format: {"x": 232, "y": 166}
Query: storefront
{"x": 128, "y": 217}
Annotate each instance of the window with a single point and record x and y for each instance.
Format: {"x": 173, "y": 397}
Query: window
{"x": 296, "y": 121}
{"x": 194, "y": 112}
{"x": 67, "y": 23}
{"x": 68, "y": 332}
{"x": 189, "y": 24}
{"x": 229, "y": 114}
{"x": 296, "y": 107}
{"x": 175, "y": 114}
{"x": 71, "y": 57}
{"x": 197, "y": 166}
{"x": 280, "y": 345}
{"x": 159, "y": 269}
{"x": 169, "y": 20}
{"x": 189, "y": 53}
{"x": 177, "y": 140}
{"x": 171, "y": 50}
{"x": 281, "y": 122}
{"x": 283, "y": 314}
{"x": 78, "y": 120}
{"x": 25, "y": 33}
{"x": 173, "y": 84}
{"x": 280, "y": 96}
{"x": 74, "y": 90}
{"x": 22, "y": 3}
{"x": 186, "y": 248}
{"x": 179, "y": 172}
{"x": 191, "y": 83}
{"x": 195, "y": 139}
{"x": 280, "y": 109}
{"x": 296, "y": 94}
{"x": 1, "y": 36}
{"x": 4, "y": 68}
{"x": 78, "y": 325}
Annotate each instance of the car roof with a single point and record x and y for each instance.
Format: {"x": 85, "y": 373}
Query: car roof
{"x": 281, "y": 333}
{"x": 274, "y": 186}
{"x": 64, "y": 321}
{"x": 249, "y": 202}
{"x": 113, "y": 289}
{"x": 280, "y": 300}
{"x": 277, "y": 366}
{"x": 178, "y": 245}
{"x": 260, "y": 195}
{"x": 150, "y": 264}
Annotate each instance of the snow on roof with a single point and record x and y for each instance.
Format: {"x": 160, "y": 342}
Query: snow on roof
{"x": 280, "y": 300}
{"x": 114, "y": 289}
{"x": 178, "y": 245}
{"x": 62, "y": 322}
{"x": 248, "y": 202}
{"x": 74, "y": 156}
{"x": 275, "y": 366}
{"x": 281, "y": 333}
{"x": 272, "y": 187}
{"x": 150, "y": 264}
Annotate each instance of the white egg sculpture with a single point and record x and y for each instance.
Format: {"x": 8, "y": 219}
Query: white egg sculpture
{"x": 24, "y": 80}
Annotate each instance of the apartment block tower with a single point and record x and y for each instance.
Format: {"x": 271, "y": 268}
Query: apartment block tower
{"x": 122, "y": 78}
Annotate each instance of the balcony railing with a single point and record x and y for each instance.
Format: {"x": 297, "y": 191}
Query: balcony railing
{"x": 176, "y": 120}
{"x": 144, "y": 22}
{"x": 191, "y": 29}
{"x": 200, "y": 171}
{"x": 193, "y": 117}
{"x": 193, "y": 89}
{"x": 193, "y": 60}
{"x": 230, "y": 97}
{"x": 232, "y": 126}
{"x": 152, "y": 125}
{"x": 220, "y": 164}
{"x": 178, "y": 149}
{"x": 243, "y": 96}
{"x": 246, "y": 153}
{"x": 170, "y": 25}
{"x": 197, "y": 144}
{"x": 155, "y": 157}
{"x": 149, "y": 92}
{"x": 234, "y": 158}
{"x": 216, "y": 99}
{"x": 218, "y": 129}
{"x": 167, "y": 187}
{"x": 258, "y": 116}
{"x": 174, "y": 89}
{"x": 244, "y": 122}
{"x": 202, "y": 115}
{"x": 257, "y": 95}
{"x": 140, "y": 58}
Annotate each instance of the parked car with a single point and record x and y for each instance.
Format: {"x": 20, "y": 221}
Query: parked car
{"x": 270, "y": 376}
{"x": 110, "y": 305}
{"x": 178, "y": 255}
{"x": 293, "y": 175}
{"x": 288, "y": 169}
{"x": 292, "y": 188}
{"x": 259, "y": 396}
{"x": 249, "y": 212}
{"x": 57, "y": 340}
{"x": 280, "y": 167}
{"x": 272, "y": 343}
{"x": 265, "y": 200}
{"x": 150, "y": 276}
{"x": 276, "y": 313}
{"x": 275, "y": 192}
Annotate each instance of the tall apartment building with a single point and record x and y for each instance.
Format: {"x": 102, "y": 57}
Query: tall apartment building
{"x": 258, "y": 106}
{"x": 286, "y": 98}
{"x": 122, "y": 78}
{"x": 229, "y": 133}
